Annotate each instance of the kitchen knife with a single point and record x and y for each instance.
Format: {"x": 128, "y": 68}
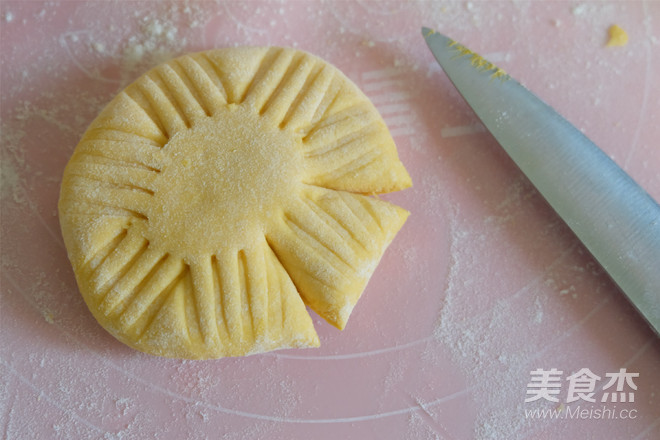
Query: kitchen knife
{"x": 615, "y": 218}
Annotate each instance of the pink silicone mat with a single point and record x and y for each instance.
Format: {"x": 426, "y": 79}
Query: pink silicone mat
{"x": 483, "y": 285}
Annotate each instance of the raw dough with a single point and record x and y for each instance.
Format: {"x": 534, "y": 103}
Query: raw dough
{"x": 221, "y": 192}
{"x": 617, "y": 36}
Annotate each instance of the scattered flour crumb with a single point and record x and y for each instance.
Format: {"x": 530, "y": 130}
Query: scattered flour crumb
{"x": 98, "y": 47}
{"x": 579, "y": 9}
{"x": 48, "y": 316}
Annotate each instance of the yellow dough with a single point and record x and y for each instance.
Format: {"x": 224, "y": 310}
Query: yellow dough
{"x": 223, "y": 191}
{"x": 617, "y": 36}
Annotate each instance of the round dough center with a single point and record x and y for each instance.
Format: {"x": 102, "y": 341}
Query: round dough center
{"x": 223, "y": 178}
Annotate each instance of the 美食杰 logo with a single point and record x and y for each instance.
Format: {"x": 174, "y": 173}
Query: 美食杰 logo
{"x": 581, "y": 386}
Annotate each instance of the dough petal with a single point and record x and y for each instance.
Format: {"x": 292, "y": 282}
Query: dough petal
{"x": 330, "y": 243}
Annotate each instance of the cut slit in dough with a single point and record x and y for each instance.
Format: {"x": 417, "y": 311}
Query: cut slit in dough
{"x": 223, "y": 191}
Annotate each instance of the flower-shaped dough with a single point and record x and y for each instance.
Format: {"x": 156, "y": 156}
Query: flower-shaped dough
{"x": 221, "y": 192}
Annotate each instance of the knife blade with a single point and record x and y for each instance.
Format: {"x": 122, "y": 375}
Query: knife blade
{"x": 616, "y": 220}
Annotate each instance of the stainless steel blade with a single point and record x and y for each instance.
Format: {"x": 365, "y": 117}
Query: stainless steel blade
{"x": 615, "y": 218}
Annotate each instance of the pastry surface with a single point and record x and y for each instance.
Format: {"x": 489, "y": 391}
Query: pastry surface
{"x": 223, "y": 191}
